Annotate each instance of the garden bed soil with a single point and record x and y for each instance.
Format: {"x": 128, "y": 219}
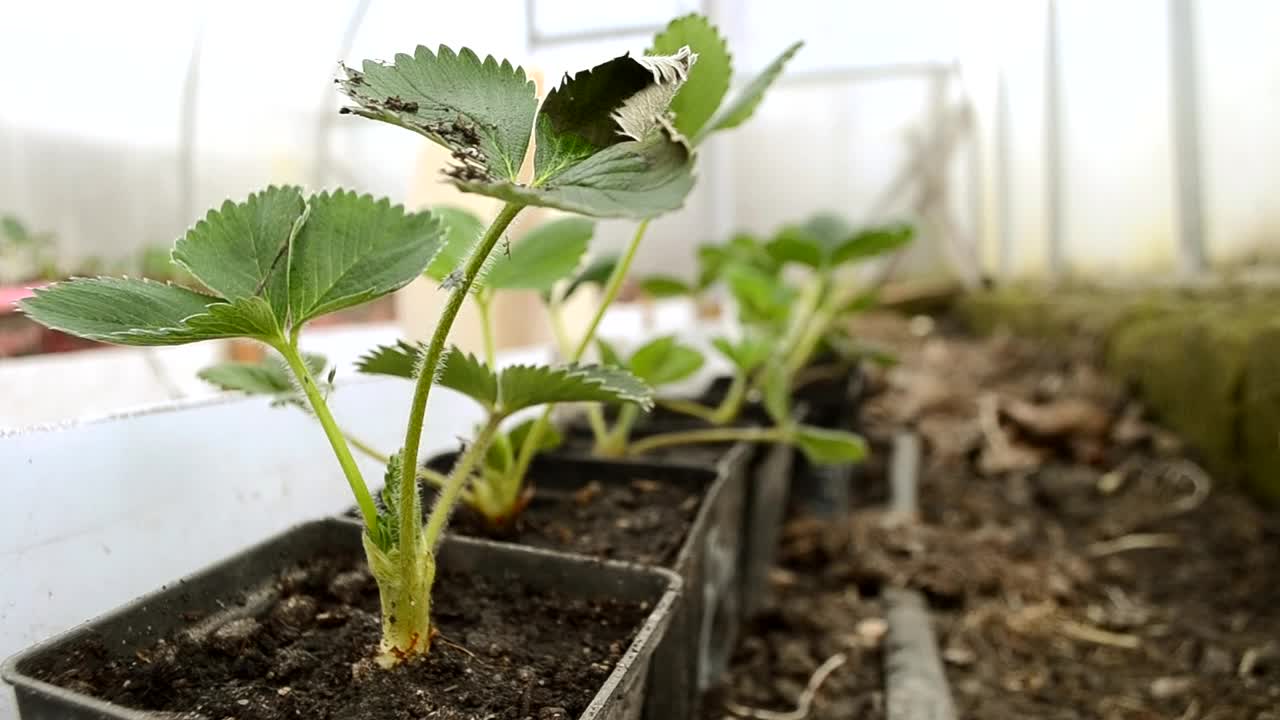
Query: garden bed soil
{"x": 813, "y": 613}
{"x": 505, "y": 651}
{"x": 1080, "y": 562}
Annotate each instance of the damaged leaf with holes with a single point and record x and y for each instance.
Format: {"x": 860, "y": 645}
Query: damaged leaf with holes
{"x": 605, "y": 146}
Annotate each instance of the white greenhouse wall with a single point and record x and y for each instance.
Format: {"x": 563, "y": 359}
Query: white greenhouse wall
{"x": 91, "y": 150}
{"x": 1240, "y": 95}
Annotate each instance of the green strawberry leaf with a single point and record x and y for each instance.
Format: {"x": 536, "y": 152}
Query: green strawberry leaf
{"x": 664, "y": 361}
{"x": 747, "y": 354}
{"x": 469, "y": 375}
{"x": 143, "y": 312}
{"x": 761, "y": 297}
{"x": 777, "y": 395}
{"x": 823, "y": 446}
{"x": 550, "y": 439}
{"x": 354, "y": 249}
{"x": 596, "y": 273}
{"x": 861, "y": 302}
{"x": 462, "y": 229}
{"x": 605, "y": 147}
{"x": 708, "y": 81}
{"x": 741, "y": 249}
{"x": 481, "y": 110}
{"x": 609, "y": 354}
{"x": 271, "y": 376}
{"x": 744, "y": 103}
{"x": 547, "y": 254}
{"x": 635, "y": 179}
{"x": 246, "y": 317}
{"x": 387, "y": 535}
{"x": 523, "y": 386}
{"x": 794, "y": 246}
{"x": 399, "y": 360}
{"x": 872, "y": 242}
{"x": 665, "y": 286}
{"x": 241, "y": 249}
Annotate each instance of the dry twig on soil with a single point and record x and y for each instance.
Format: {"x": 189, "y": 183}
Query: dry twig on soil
{"x": 804, "y": 702}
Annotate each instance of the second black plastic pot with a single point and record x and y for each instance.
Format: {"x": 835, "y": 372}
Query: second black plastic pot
{"x": 834, "y": 403}
{"x": 703, "y": 632}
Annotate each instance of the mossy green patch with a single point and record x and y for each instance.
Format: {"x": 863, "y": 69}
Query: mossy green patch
{"x": 1189, "y": 367}
{"x": 1261, "y": 411}
{"x": 1207, "y": 361}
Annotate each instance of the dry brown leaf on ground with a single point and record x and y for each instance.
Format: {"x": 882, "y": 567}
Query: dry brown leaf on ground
{"x": 1067, "y": 416}
{"x": 950, "y": 437}
{"x": 919, "y": 392}
{"x": 1000, "y": 453}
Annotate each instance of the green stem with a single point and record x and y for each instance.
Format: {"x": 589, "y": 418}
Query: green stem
{"x": 558, "y": 329}
{"x": 800, "y": 340}
{"x": 611, "y": 290}
{"x": 709, "y": 435}
{"x": 424, "y": 473}
{"x": 689, "y": 407}
{"x": 615, "y": 442}
{"x": 457, "y": 481}
{"x": 614, "y": 286}
{"x": 411, "y": 522}
{"x": 731, "y": 405}
{"x": 599, "y": 427}
{"x": 486, "y": 327}
{"x": 407, "y": 573}
{"x": 368, "y": 511}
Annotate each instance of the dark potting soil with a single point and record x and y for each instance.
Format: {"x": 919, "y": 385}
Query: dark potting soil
{"x": 814, "y": 614}
{"x": 644, "y": 520}
{"x": 505, "y": 651}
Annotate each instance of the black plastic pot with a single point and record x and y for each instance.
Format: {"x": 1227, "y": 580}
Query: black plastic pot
{"x": 213, "y": 593}
{"x": 834, "y": 403}
{"x": 768, "y": 471}
{"x": 703, "y": 633}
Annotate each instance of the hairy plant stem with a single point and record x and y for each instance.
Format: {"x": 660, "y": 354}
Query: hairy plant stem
{"x": 803, "y": 336}
{"x": 614, "y": 443}
{"x": 457, "y": 482}
{"x": 410, "y": 522}
{"x": 368, "y": 511}
{"x": 424, "y": 473}
{"x": 722, "y": 414}
{"x": 709, "y": 435}
{"x": 557, "y": 329}
{"x": 406, "y": 596}
{"x": 692, "y": 408}
{"x": 614, "y": 286}
{"x": 483, "y": 301}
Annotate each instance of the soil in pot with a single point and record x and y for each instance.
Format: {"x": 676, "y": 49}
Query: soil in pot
{"x": 505, "y": 651}
{"x": 643, "y": 520}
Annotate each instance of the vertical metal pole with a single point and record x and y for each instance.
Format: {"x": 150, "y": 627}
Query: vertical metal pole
{"x": 723, "y": 211}
{"x": 187, "y": 124}
{"x": 1004, "y": 184}
{"x": 1184, "y": 94}
{"x": 324, "y": 123}
{"x": 1053, "y": 146}
{"x": 977, "y": 191}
